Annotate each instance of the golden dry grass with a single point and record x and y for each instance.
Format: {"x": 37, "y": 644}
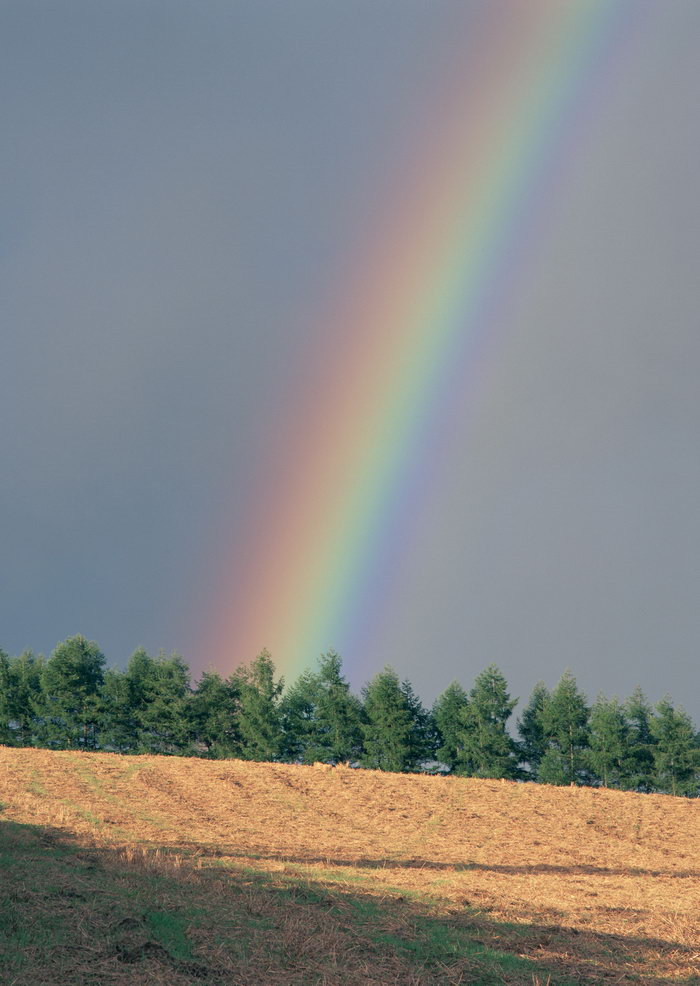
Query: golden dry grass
{"x": 596, "y": 885}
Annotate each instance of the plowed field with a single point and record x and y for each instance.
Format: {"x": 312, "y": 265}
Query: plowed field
{"x": 170, "y": 870}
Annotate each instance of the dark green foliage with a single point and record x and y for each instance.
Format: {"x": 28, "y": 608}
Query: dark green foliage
{"x": 609, "y": 742}
{"x": 473, "y": 736}
{"x": 396, "y": 727}
{"x": 118, "y": 722}
{"x": 485, "y": 748}
{"x": 533, "y": 742}
{"x": 564, "y": 720}
{"x": 6, "y": 690}
{"x": 259, "y": 718}
{"x": 448, "y": 714}
{"x": 72, "y": 702}
{"x": 676, "y": 756}
{"x": 338, "y": 712}
{"x": 158, "y": 691}
{"x": 71, "y": 682}
{"x": 213, "y": 713}
{"x": 321, "y": 717}
{"x": 640, "y": 743}
{"x": 423, "y": 735}
{"x": 388, "y": 723}
{"x": 298, "y": 718}
{"x": 27, "y": 699}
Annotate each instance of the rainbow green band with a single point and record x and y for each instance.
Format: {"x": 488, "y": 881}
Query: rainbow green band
{"x": 415, "y": 327}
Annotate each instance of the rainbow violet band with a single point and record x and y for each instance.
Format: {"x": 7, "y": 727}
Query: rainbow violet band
{"x": 417, "y": 327}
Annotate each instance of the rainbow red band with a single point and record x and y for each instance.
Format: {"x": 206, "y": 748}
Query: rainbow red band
{"x": 415, "y": 325}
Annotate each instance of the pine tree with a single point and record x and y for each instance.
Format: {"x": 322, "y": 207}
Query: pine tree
{"x": 141, "y": 678}
{"x": 533, "y": 745}
{"x": 118, "y": 727}
{"x": 259, "y": 721}
{"x": 676, "y": 758}
{"x": 565, "y": 725}
{"x": 71, "y": 683}
{"x": 166, "y": 718}
{"x": 158, "y": 699}
{"x": 28, "y": 698}
{"x": 389, "y": 722}
{"x": 298, "y": 718}
{"x": 609, "y": 742}
{"x": 321, "y": 717}
{"x": 448, "y": 713}
{"x": 422, "y": 738}
{"x": 639, "y": 773}
{"x": 213, "y": 711}
{"x": 338, "y": 713}
{"x": 6, "y": 697}
{"x": 485, "y": 748}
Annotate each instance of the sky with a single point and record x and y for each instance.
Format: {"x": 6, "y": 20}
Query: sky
{"x": 191, "y": 192}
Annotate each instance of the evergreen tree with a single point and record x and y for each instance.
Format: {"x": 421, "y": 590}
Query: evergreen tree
{"x": 448, "y": 714}
{"x": 392, "y": 728}
{"x": 321, "y": 716}
{"x": 118, "y": 725}
{"x": 166, "y": 719}
{"x": 6, "y": 690}
{"x": 533, "y": 745}
{"x": 71, "y": 683}
{"x": 609, "y": 742}
{"x": 565, "y": 725}
{"x": 423, "y": 735}
{"x": 485, "y": 748}
{"x": 639, "y": 774}
{"x": 676, "y": 758}
{"x": 338, "y": 713}
{"x": 259, "y": 719}
{"x": 554, "y": 768}
{"x": 298, "y": 719}
{"x": 141, "y": 678}
{"x": 71, "y": 701}
{"x": 28, "y": 704}
{"x": 158, "y": 697}
{"x": 213, "y": 712}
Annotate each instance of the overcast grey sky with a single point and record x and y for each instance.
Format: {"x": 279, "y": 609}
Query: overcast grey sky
{"x": 182, "y": 184}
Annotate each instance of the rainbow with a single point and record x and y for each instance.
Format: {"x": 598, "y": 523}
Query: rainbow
{"x": 414, "y": 328}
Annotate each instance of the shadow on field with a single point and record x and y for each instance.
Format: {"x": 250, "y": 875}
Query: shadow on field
{"x": 379, "y": 863}
{"x": 81, "y": 915}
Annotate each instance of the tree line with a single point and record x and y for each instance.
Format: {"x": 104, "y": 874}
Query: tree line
{"x": 72, "y": 700}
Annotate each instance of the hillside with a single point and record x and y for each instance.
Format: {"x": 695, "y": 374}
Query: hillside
{"x": 153, "y": 869}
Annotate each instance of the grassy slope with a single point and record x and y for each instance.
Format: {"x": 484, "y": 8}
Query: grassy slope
{"x": 159, "y": 870}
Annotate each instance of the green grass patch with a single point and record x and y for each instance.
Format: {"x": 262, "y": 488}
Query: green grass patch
{"x": 132, "y": 770}
{"x": 83, "y": 916}
{"x": 35, "y": 785}
{"x": 90, "y": 779}
{"x": 169, "y": 928}
{"x": 83, "y": 813}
